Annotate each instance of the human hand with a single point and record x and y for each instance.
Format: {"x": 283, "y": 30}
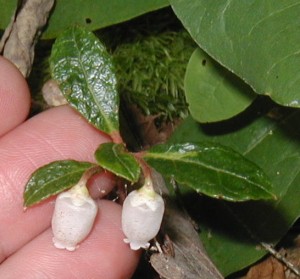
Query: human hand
{"x": 26, "y": 249}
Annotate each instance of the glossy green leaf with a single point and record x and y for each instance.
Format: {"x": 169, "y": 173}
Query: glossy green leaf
{"x": 273, "y": 143}
{"x": 211, "y": 169}
{"x": 52, "y": 179}
{"x": 84, "y": 71}
{"x": 214, "y": 93}
{"x": 91, "y": 14}
{"x": 258, "y": 40}
{"x": 116, "y": 159}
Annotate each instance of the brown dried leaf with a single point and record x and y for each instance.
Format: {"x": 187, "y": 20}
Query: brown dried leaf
{"x": 149, "y": 131}
{"x": 271, "y": 268}
{"x": 23, "y": 33}
{"x": 292, "y": 255}
{"x": 189, "y": 260}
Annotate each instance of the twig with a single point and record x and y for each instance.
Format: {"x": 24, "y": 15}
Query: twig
{"x": 23, "y": 33}
{"x": 280, "y": 258}
{"x": 266, "y": 246}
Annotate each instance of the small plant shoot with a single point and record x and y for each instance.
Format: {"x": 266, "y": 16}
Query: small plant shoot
{"x": 84, "y": 71}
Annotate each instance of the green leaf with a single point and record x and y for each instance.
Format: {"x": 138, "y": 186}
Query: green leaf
{"x": 52, "y": 179}
{"x": 257, "y": 40}
{"x": 273, "y": 143}
{"x": 214, "y": 93}
{"x": 116, "y": 159}
{"x": 96, "y": 14}
{"x": 91, "y": 14}
{"x": 211, "y": 169}
{"x": 84, "y": 71}
{"x": 6, "y": 12}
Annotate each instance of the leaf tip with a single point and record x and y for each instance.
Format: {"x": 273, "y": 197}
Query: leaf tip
{"x": 27, "y": 204}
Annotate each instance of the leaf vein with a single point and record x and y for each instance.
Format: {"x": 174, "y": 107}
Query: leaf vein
{"x": 108, "y": 123}
{"x": 122, "y": 162}
{"x": 210, "y": 167}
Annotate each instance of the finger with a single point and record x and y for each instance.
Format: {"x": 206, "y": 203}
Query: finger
{"x": 56, "y": 134}
{"x": 100, "y": 185}
{"x": 103, "y": 254}
{"x": 14, "y": 96}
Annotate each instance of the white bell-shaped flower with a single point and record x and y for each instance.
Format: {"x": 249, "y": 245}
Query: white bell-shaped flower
{"x": 142, "y": 215}
{"x": 73, "y": 217}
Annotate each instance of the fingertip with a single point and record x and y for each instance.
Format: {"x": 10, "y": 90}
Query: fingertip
{"x": 103, "y": 254}
{"x": 15, "y": 96}
{"x": 109, "y": 228}
{"x": 101, "y": 184}
{"x": 56, "y": 134}
{"x": 110, "y": 237}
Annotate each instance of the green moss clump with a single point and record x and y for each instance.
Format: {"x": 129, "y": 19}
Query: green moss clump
{"x": 150, "y": 72}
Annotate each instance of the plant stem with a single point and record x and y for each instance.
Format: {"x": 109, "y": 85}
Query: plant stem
{"x": 86, "y": 176}
{"x": 281, "y": 258}
{"x": 148, "y": 184}
{"x": 116, "y": 137}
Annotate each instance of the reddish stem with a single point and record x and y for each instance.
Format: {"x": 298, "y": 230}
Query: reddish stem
{"x": 116, "y": 137}
{"x": 145, "y": 167}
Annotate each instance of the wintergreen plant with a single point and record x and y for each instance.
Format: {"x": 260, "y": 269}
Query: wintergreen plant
{"x": 241, "y": 43}
{"x": 84, "y": 71}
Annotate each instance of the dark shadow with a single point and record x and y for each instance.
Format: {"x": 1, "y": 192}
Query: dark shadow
{"x": 248, "y": 222}
{"x": 260, "y": 106}
{"x": 152, "y": 23}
